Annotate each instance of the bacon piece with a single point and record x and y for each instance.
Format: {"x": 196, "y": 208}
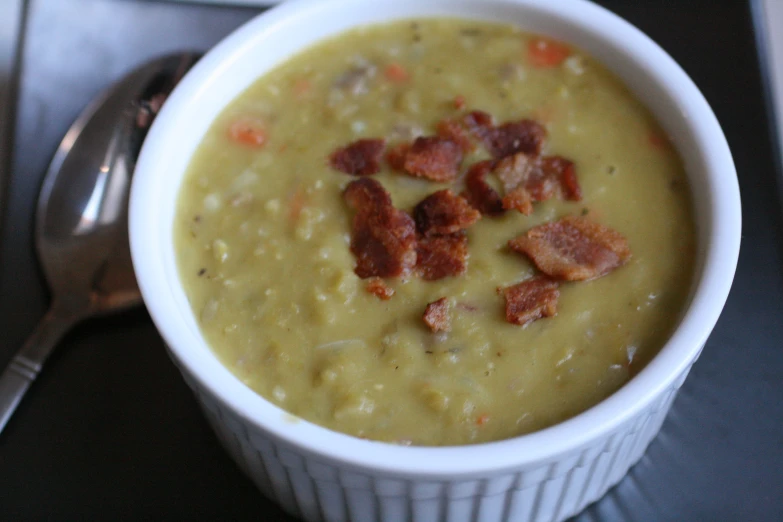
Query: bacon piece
{"x": 479, "y": 193}
{"x": 436, "y": 315}
{"x": 553, "y": 175}
{"x": 519, "y": 199}
{"x": 444, "y": 212}
{"x": 569, "y": 183}
{"x": 530, "y": 300}
{"x": 504, "y": 140}
{"x": 360, "y": 158}
{"x": 383, "y": 238}
{"x": 479, "y": 124}
{"x": 442, "y": 256}
{"x": 379, "y": 288}
{"x": 434, "y": 158}
{"x": 456, "y": 132}
{"x": 541, "y": 177}
{"x": 515, "y": 136}
{"x": 573, "y": 248}
{"x": 366, "y": 195}
{"x": 395, "y": 157}
{"x": 515, "y": 170}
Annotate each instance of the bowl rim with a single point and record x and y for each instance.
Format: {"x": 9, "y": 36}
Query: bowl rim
{"x": 660, "y": 375}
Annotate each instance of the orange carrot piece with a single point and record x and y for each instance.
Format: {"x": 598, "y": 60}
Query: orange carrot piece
{"x": 544, "y": 114}
{"x": 302, "y": 87}
{"x": 248, "y": 132}
{"x": 396, "y": 73}
{"x": 543, "y": 52}
{"x": 296, "y": 203}
{"x": 656, "y": 140}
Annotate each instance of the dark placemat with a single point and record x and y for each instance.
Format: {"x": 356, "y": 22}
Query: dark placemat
{"x": 110, "y": 431}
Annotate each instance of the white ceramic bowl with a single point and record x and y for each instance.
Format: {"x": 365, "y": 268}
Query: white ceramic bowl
{"x": 318, "y": 474}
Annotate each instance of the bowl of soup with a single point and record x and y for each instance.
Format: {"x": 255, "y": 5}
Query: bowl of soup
{"x": 435, "y": 260}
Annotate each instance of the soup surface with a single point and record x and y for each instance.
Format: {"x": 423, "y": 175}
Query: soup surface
{"x": 263, "y": 238}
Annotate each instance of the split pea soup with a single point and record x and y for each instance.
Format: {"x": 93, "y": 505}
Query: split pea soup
{"x": 270, "y": 245}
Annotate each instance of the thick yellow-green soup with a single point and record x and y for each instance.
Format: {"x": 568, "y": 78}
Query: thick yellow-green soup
{"x": 263, "y": 238}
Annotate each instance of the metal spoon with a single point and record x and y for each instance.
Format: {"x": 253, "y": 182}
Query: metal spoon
{"x": 81, "y": 227}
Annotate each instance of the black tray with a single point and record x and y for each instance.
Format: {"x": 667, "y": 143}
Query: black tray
{"x": 110, "y": 431}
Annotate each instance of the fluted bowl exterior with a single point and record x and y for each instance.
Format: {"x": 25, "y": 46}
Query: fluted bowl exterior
{"x": 314, "y": 488}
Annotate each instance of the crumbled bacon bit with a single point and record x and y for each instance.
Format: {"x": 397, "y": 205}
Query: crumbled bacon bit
{"x": 541, "y": 177}
{"x": 517, "y": 136}
{"x": 434, "y": 158}
{"x": 519, "y": 199}
{"x": 553, "y": 175}
{"x": 395, "y": 156}
{"x": 479, "y": 193}
{"x": 479, "y": 124}
{"x": 383, "y": 238}
{"x": 573, "y": 248}
{"x": 436, "y": 315}
{"x": 530, "y": 300}
{"x": 506, "y": 139}
{"x": 456, "y": 132}
{"x": 444, "y": 212}
{"x": 459, "y": 102}
{"x": 366, "y": 194}
{"x": 360, "y": 158}
{"x": 379, "y": 288}
{"x": 514, "y": 170}
{"x": 569, "y": 182}
{"x": 442, "y": 256}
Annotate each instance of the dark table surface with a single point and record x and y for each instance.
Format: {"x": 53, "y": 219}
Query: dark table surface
{"x": 110, "y": 431}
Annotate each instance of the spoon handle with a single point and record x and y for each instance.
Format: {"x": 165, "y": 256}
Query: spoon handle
{"x": 28, "y": 361}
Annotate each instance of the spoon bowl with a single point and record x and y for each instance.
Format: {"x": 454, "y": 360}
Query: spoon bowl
{"x": 81, "y": 218}
{"x": 81, "y": 231}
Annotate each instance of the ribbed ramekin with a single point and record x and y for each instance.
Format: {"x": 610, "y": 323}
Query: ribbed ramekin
{"x": 319, "y": 474}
